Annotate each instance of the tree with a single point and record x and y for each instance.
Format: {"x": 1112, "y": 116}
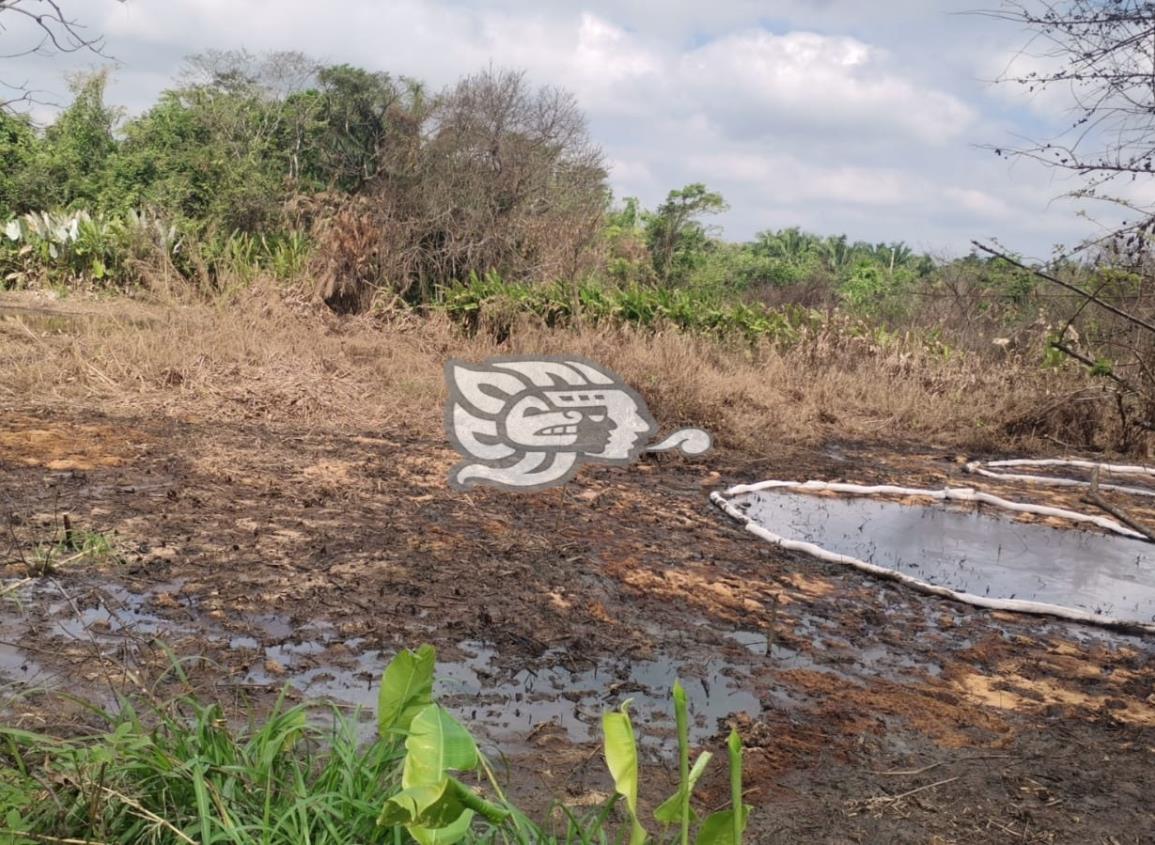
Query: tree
{"x": 77, "y": 147}
{"x": 358, "y": 114}
{"x": 491, "y": 175}
{"x": 22, "y": 186}
{"x": 675, "y": 235}
{"x": 40, "y": 27}
{"x": 796, "y": 247}
{"x": 1101, "y": 52}
{"x": 510, "y": 180}
{"x": 227, "y": 147}
{"x": 628, "y": 259}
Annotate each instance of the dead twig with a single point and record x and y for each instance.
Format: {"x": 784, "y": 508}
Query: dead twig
{"x": 893, "y": 799}
{"x": 49, "y": 840}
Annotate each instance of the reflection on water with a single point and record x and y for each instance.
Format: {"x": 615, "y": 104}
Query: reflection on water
{"x": 980, "y": 551}
{"x": 511, "y": 704}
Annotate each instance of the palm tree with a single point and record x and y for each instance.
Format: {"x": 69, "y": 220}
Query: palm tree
{"x": 836, "y": 252}
{"x": 792, "y": 245}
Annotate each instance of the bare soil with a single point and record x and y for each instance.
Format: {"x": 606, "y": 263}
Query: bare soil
{"x": 870, "y": 714}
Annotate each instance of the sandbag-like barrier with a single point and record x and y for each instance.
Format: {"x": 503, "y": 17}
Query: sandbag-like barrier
{"x": 985, "y": 469}
{"x": 950, "y": 494}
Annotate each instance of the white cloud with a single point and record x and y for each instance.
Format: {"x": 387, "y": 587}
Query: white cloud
{"x": 816, "y": 83}
{"x": 837, "y": 115}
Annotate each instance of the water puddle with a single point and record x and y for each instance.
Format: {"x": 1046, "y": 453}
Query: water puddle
{"x": 16, "y": 665}
{"x": 508, "y": 705}
{"x": 511, "y": 705}
{"x": 978, "y": 551}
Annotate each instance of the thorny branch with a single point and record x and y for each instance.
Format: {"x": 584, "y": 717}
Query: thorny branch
{"x": 1142, "y": 391}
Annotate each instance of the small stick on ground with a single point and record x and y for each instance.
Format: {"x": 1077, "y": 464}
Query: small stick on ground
{"x": 772, "y": 631}
{"x": 893, "y": 799}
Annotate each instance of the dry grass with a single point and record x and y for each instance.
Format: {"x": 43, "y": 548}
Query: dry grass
{"x": 265, "y": 357}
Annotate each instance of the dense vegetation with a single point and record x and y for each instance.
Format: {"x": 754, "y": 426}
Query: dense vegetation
{"x": 489, "y": 201}
{"x": 378, "y": 186}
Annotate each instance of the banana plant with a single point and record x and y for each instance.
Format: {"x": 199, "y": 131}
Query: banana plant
{"x": 622, "y": 760}
{"x": 676, "y": 808}
{"x": 725, "y": 827}
{"x": 434, "y": 806}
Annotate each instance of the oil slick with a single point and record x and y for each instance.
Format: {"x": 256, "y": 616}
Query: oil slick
{"x": 977, "y": 557}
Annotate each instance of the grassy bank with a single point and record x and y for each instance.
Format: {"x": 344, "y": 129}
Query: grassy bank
{"x": 262, "y": 354}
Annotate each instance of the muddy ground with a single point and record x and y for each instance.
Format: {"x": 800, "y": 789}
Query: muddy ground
{"x": 304, "y": 556}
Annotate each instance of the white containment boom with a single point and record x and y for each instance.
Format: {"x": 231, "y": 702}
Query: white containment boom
{"x": 953, "y": 494}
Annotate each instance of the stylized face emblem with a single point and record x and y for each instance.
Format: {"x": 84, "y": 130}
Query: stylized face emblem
{"x": 528, "y": 423}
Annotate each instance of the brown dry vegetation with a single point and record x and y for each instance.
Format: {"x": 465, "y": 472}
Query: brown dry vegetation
{"x": 262, "y": 355}
{"x": 263, "y": 456}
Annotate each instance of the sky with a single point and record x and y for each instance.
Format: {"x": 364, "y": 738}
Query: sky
{"x": 872, "y": 120}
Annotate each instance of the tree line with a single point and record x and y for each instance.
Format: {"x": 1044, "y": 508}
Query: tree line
{"x": 398, "y": 189}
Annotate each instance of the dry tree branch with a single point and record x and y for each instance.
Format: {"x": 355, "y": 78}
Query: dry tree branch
{"x": 57, "y": 33}
{"x": 1118, "y": 312}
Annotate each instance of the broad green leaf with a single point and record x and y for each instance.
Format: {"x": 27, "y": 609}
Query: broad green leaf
{"x": 436, "y": 745}
{"x": 718, "y": 829}
{"x": 670, "y": 810}
{"x": 437, "y": 805}
{"x": 406, "y": 688}
{"x": 430, "y": 805}
{"x": 622, "y": 760}
{"x": 443, "y": 835}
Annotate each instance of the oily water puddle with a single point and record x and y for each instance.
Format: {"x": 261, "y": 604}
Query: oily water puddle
{"x": 982, "y": 551}
{"x": 503, "y": 705}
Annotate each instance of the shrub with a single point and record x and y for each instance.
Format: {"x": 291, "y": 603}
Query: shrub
{"x": 82, "y": 249}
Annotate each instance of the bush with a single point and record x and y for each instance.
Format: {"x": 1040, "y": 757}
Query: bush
{"x": 491, "y": 305}
{"x": 64, "y": 249}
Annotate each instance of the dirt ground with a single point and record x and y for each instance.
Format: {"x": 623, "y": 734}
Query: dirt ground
{"x": 278, "y": 553}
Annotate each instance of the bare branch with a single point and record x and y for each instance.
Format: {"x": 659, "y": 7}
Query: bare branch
{"x": 53, "y": 31}
{"x": 1096, "y": 499}
{"x": 1119, "y": 312}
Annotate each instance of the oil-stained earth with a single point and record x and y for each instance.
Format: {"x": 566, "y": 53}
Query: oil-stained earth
{"x": 307, "y": 557}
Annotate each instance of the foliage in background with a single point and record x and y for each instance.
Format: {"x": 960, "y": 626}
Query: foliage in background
{"x": 491, "y": 305}
{"x": 487, "y": 200}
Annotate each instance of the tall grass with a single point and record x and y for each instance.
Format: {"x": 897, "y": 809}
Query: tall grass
{"x": 183, "y": 773}
{"x": 843, "y": 379}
